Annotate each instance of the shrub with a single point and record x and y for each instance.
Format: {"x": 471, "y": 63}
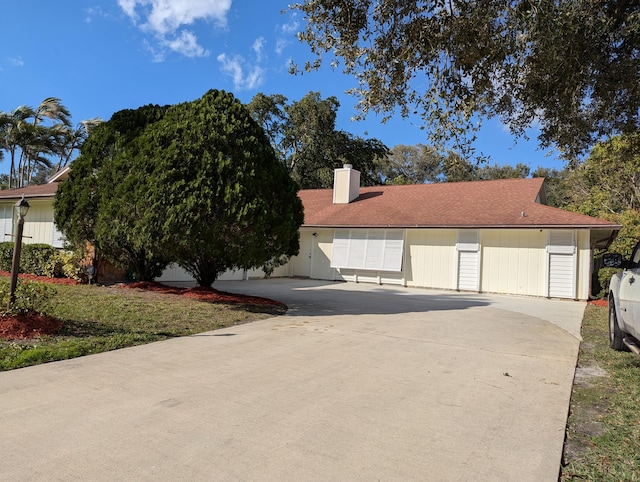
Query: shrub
{"x": 6, "y": 255}
{"x": 64, "y": 264}
{"x": 35, "y": 258}
{"x": 29, "y": 297}
{"x": 43, "y": 260}
{"x": 604, "y": 276}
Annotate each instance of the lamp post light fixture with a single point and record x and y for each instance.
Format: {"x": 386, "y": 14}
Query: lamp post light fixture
{"x": 22, "y": 208}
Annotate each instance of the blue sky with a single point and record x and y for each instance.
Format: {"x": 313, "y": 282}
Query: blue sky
{"x": 101, "y": 56}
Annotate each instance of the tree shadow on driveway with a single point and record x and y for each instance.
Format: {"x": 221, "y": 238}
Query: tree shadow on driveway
{"x": 322, "y": 298}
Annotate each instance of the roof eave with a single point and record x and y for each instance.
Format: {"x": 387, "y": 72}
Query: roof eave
{"x": 467, "y": 226}
{"x": 28, "y": 196}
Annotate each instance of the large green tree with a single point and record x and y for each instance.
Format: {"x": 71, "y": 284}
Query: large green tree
{"x": 608, "y": 181}
{"x": 303, "y": 133}
{"x": 227, "y": 201}
{"x": 607, "y": 185}
{"x": 103, "y": 202}
{"x": 413, "y": 164}
{"x": 424, "y": 164}
{"x": 195, "y": 183}
{"x": 570, "y": 65}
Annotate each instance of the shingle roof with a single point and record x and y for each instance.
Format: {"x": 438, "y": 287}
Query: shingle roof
{"x": 479, "y": 204}
{"x": 37, "y": 191}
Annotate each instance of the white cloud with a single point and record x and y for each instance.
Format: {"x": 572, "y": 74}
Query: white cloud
{"x": 165, "y": 19}
{"x": 292, "y": 26}
{"x": 16, "y": 61}
{"x": 96, "y": 12}
{"x": 244, "y": 77}
{"x": 257, "y": 47}
{"x": 187, "y": 45}
{"x": 281, "y": 43}
{"x": 129, "y": 7}
{"x": 286, "y": 33}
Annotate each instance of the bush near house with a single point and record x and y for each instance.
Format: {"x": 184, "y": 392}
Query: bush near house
{"x": 42, "y": 260}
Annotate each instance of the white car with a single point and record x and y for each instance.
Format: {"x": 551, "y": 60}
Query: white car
{"x": 624, "y": 302}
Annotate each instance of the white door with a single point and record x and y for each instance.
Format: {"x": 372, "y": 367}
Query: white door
{"x": 468, "y": 248}
{"x": 562, "y": 267}
{"x": 468, "y": 270}
{"x": 302, "y": 262}
{"x": 561, "y": 275}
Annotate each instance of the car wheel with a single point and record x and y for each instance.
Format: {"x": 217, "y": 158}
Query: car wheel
{"x": 615, "y": 333}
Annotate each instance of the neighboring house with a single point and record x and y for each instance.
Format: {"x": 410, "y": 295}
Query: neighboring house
{"x": 482, "y": 236}
{"x": 38, "y": 225}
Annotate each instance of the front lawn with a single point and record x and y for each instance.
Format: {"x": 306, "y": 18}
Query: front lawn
{"x": 96, "y": 319}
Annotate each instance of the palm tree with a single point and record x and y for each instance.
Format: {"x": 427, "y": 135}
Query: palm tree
{"x": 68, "y": 140}
{"x": 43, "y": 141}
{"x": 32, "y": 145}
{"x": 15, "y": 133}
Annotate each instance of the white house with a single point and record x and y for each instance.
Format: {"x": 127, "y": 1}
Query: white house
{"x": 482, "y": 236}
{"x": 38, "y": 226}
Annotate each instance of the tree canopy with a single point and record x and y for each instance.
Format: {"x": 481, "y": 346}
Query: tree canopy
{"x": 104, "y": 199}
{"x": 196, "y": 183}
{"x": 572, "y": 66}
{"x": 303, "y": 133}
{"x": 423, "y": 164}
{"x": 607, "y": 185}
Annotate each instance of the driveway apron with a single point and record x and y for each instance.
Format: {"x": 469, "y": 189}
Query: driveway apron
{"x": 356, "y": 382}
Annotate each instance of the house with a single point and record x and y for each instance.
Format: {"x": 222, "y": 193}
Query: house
{"x": 38, "y": 226}
{"x": 482, "y": 236}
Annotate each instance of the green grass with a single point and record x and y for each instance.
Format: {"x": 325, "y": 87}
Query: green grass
{"x": 97, "y": 319}
{"x": 603, "y": 431}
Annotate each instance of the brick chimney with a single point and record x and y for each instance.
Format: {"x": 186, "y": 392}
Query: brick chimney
{"x": 346, "y": 184}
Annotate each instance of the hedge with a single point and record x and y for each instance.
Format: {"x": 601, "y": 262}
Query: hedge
{"x": 42, "y": 260}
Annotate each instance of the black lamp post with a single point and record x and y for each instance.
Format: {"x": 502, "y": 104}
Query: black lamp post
{"x": 22, "y": 207}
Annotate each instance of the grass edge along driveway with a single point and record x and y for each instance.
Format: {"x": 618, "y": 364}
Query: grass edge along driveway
{"x": 97, "y": 319}
{"x": 603, "y": 430}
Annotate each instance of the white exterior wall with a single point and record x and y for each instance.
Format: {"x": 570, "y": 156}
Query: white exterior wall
{"x": 585, "y": 264}
{"x": 511, "y": 261}
{"x": 38, "y": 224}
{"x": 514, "y": 261}
{"x": 430, "y": 258}
{"x": 322, "y": 250}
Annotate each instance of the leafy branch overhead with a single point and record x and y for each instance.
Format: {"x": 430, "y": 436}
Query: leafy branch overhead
{"x": 572, "y": 67}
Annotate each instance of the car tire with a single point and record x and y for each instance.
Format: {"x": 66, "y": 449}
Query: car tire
{"x": 616, "y": 335}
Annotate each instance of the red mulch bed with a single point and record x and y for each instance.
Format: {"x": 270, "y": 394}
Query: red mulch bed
{"x": 599, "y": 302}
{"x": 43, "y": 279}
{"x": 32, "y": 325}
{"x": 35, "y": 325}
{"x": 210, "y": 295}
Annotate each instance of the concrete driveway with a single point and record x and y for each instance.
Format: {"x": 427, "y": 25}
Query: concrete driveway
{"x": 357, "y": 382}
